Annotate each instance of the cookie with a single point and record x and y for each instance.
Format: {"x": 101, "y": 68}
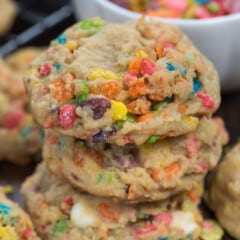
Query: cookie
{"x": 19, "y": 134}
{"x": 122, "y": 83}
{"x": 20, "y": 60}
{"x": 8, "y": 11}
{"x": 15, "y": 224}
{"x": 137, "y": 173}
{"x": 62, "y": 212}
{"x": 223, "y": 196}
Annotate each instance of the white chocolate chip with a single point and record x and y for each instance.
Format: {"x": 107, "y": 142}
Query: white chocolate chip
{"x": 185, "y": 221}
{"x": 83, "y": 216}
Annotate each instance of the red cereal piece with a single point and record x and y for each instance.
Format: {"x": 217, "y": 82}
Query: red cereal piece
{"x": 67, "y": 116}
{"x": 192, "y": 146}
{"x": 13, "y": 119}
{"x": 27, "y": 233}
{"x": 147, "y": 66}
{"x": 164, "y": 217}
{"x": 44, "y": 69}
{"x": 145, "y": 230}
{"x": 207, "y": 101}
{"x": 169, "y": 45}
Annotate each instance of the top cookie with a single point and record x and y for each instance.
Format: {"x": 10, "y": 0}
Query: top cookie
{"x": 122, "y": 83}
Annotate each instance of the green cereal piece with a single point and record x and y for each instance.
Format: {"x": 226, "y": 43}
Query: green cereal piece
{"x": 157, "y": 105}
{"x": 93, "y": 23}
{"x": 152, "y": 139}
{"x": 81, "y": 91}
{"x": 60, "y": 226}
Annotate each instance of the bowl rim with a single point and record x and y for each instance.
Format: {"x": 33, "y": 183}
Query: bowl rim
{"x": 130, "y": 14}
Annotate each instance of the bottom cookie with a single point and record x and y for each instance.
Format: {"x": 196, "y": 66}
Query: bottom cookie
{"x": 61, "y": 212}
{"x": 15, "y": 224}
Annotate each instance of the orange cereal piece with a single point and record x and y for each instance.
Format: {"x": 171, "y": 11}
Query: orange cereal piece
{"x": 138, "y": 88}
{"x": 182, "y": 108}
{"x": 145, "y": 117}
{"x": 63, "y": 89}
{"x": 139, "y": 106}
{"x": 154, "y": 174}
{"x": 109, "y": 211}
{"x": 171, "y": 170}
{"x": 110, "y": 89}
{"x": 194, "y": 195}
{"x": 135, "y": 65}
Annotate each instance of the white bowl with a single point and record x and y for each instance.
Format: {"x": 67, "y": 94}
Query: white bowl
{"x": 218, "y": 38}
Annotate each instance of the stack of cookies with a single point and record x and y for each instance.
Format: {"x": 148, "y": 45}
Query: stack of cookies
{"x": 128, "y": 133}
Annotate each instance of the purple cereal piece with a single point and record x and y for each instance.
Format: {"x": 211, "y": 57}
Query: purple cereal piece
{"x": 102, "y": 136}
{"x": 98, "y": 106}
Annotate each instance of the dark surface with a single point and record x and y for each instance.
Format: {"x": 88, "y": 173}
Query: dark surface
{"x": 49, "y": 19}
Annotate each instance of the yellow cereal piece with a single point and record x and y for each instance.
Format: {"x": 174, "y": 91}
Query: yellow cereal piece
{"x": 190, "y": 120}
{"x": 141, "y": 53}
{"x": 3, "y": 99}
{"x": 119, "y": 110}
{"x": 71, "y": 44}
{"x": 100, "y": 73}
{"x": 28, "y": 119}
{"x": 31, "y": 71}
{"x": 7, "y": 233}
{"x": 8, "y": 189}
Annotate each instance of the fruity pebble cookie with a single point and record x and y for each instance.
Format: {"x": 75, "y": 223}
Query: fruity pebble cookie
{"x": 8, "y": 12}
{"x": 20, "y": 137}
{"x": 15, "y": 224}
{"x": 122, "y": 83}
{"x": 148, "y": 172}
{"x": 223, "y": 196}
{"x": 61, "y": 212}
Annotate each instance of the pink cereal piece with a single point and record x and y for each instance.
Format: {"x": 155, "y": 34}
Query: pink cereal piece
{"x": 27, "y": 233}
{"x": 207, "y": 225}
{"x": 168, "y": 45}
{"x": 207, "y": 101}
{"x": 145, "y": 230}
{"x": 44, "y": 69}
{"x": 147, "y": 66}
{"x": 128, "y": 78}
{"x": 164, "y": 217}
{"x": 13, "y": 119}
{"x": 67, "y": 116}
{"x": 232, "y": 6}
{"x": 177, "y": 5}
{"x": 192, "y": 146}
{"x": 203, "y": 166}
{"x": 202, "y": 13}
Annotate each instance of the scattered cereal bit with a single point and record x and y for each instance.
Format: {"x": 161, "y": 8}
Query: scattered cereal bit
{"x": 172, "y": 170}
{"x": 211, "y": 231}
{"x": 152, "y": 139}
{"x": 110, "y": 89}
{"x": 145, "y": 117}
{"x": 196, "y": 85}
{"x": 100, "y": 73}
{"x": 155, "y": 173}
{"x": 7, "y": 233}
{"x": 191, "y": 120}
{"x": 27, "y": 233}
{"x": 102, "y": 136}
{"x": 192, "y": 146}
{"x": 71, "y": 45}
{"x": 207, "y": 101}
{"x": 60, "y": 226}
{"x": 139, "y": 106}
{"x": 98, "y": 106}
{"x": 130, "y": 118}
{"x": 91, "y": 24}
{"x": 44, "y": 69}
{"x": 81, "y": 90}
{"x": 202, "y": 1}
{"x": 155, "y": 106}
{"x": 163, "y": 217}
{"x": 66, "y": 116}
{"x": 147, "y": 66}
{"x": 134, "y": 66}
{"x": 58, "y": 66}
{"x": 213, "y": 7}
{"x": 119, "y": 110}
{"x": 170, "y": 67}
{"x": 145, "y": 230}
{"x": 138, "y": 88}
{"x": 182, "y": 108}
{"x": 141, "y": 53}
{"x": 8, "y": 189}
{"x": 109, "y": 211}
{"x": 61, "y": 39}
{"x": 13, "y": 119}
{"x": 4, "y": 209}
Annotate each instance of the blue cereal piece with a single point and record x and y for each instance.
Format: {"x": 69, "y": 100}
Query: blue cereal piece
{"x": 58, "y": 66}
{"x": 170, "y": 67}
{"x": 61, "y": 39}
{"x": 196, "y": 85}
{"x": 202, "y": 1}
{"x": 4, "y": 209}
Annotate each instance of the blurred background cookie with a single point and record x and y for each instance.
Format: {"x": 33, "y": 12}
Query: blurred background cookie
{"x": 8, "y": 11}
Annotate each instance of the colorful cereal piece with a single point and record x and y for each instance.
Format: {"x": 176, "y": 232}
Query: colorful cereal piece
{"x": 119, "y": 110}
{"x": 66, "y": 116}
{"x": 207, "y": 101}
{"x": 100, "y": 73}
